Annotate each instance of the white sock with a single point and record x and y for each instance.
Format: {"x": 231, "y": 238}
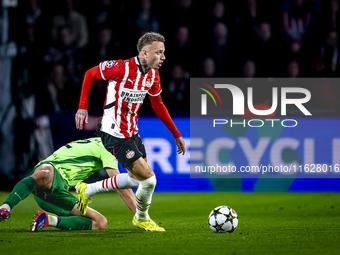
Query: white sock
{"x": 120, "y": 181}
{"x": 6, "y": 206}
{"x": 143, "y": 197}
{"x": 52, "y": 220}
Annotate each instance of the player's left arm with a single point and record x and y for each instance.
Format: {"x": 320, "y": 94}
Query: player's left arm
{"x": 163, "y": 114}
{"x": 126, "y": 194}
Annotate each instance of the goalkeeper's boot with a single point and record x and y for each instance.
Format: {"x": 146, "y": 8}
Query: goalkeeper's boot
{"x": 4, "y": 214}
{"x": 148, "y": 225}
{"x": 40, "y": 221}
{"x": 83, "y": 199}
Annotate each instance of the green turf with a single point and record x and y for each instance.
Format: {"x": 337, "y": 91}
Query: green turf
{"x": 269, "y": 223}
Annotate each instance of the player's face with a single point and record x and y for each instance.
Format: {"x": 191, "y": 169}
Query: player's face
{"x": 154, "y": 55}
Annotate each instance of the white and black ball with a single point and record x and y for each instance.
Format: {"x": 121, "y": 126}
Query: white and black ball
{"x": 223, "y": 219}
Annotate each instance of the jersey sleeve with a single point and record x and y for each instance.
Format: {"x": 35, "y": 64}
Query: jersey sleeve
{"x": 90, "y": 76}
{"x": 156, "y": 88}
{"x": 111, "y": 70}
{"x": 109, "y": 161}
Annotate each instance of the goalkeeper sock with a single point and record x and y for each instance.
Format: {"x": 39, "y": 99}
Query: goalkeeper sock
{"x": 143, "y": 197}
{"x": 120, "y": 181}
{"x": 74, "y": 223}
{"x": 5, "y": 206}
{"x": 20, "y": 191}
{"x": 52, "y": 220}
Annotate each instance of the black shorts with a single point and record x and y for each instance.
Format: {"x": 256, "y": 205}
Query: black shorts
{"x": 126, "y": 150}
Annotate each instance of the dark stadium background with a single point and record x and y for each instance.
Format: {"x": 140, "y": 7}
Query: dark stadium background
{"x": 43, "y": 60}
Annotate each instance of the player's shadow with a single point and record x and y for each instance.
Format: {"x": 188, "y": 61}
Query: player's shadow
{"x": 82, "y": 233}
{"x": 14, "y": 231}
{"x": 90, "y": 233}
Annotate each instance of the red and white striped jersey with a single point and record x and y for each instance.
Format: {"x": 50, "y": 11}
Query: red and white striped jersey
{"x": 126, "y": 90}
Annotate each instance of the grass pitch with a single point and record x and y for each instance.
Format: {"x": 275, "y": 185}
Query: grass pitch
{"x": 269, "y": 223}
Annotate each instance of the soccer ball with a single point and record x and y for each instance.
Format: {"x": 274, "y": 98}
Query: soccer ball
{"x": 223, "y": 219}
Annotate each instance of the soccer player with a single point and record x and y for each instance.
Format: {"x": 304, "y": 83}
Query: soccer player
{"x": 129, "y": 81}
{"x": 51, "y": 179}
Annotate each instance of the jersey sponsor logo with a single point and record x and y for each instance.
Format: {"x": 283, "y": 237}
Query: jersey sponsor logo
{"x": 133, "y": 97}
{"x": 109, "y": 64}
{"x": 130, "y": 154}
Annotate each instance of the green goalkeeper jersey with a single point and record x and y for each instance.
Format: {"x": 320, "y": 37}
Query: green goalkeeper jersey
{"x": 78, "y": 160}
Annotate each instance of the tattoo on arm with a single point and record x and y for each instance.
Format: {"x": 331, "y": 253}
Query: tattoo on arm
{"x": 82, "y": 112}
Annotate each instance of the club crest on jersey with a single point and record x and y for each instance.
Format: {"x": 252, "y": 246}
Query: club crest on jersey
{"x": 109, "y": 64}
{"x": 148, "y": 84}
{"x": 130, "y": 154}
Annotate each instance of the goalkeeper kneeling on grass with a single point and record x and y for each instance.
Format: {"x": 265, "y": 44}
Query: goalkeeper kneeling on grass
{"x": 50, "y": 180}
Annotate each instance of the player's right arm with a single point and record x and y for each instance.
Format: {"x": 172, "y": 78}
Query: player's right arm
{"x": 107, "y": 70}
{"x": 90, "y": 76}
{"x": 126, "y": 194}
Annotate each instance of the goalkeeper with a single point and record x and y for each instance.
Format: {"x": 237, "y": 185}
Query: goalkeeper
{"x": 51, "y": 179}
